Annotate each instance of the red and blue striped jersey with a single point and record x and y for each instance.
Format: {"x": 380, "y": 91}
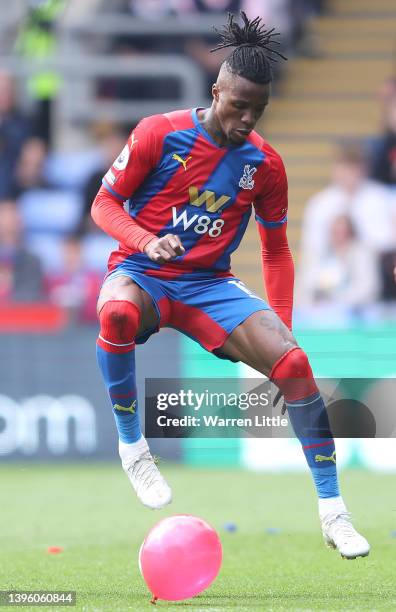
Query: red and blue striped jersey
{"x": 176, "y": 179}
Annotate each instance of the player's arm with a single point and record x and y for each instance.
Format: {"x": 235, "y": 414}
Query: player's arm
{"x": 278, "y": 271}
{"x": 277, "y": 260}
{"x": 139, "y": 156}
{"x": 109, "y": 214}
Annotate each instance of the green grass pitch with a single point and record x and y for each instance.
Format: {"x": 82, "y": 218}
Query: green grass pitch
{"x": 276, "y": 560}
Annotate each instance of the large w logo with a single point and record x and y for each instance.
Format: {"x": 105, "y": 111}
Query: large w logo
{"x": 208, "y": 198}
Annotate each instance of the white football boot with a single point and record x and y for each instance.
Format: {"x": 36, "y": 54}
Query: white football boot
{"x": 339, "y": 533}
{"x": 150, "y": 486}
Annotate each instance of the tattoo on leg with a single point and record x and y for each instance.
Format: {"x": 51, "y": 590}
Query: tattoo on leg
{"x": 268, "y": 323}
{"x": 276, "y": 325}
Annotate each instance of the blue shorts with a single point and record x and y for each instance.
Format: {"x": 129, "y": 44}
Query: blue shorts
{"x": 205, "y": 309}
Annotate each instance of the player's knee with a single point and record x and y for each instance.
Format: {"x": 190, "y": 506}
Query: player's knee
{"x": 292, "y": 374}
{"x": 295, "y": 363}
{"x": 119, "y": 321}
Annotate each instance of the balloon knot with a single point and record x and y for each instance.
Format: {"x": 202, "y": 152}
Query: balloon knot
{"x": 154, "y": 600}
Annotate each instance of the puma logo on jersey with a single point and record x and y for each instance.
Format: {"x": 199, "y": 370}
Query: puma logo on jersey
{"x": 208, "y": 198}
{"x": 320, "y": 458}
{"x": 181, "y": 161}
{"x": 130, "y": 408}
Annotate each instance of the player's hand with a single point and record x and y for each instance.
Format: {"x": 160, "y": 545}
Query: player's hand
{"x": 164, "y": 249}
{"x": 277, "y": 398}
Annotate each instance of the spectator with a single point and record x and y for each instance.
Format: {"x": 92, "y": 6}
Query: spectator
{"x": 75, "y": 288}
{"x": 274, "y": 12}
{"x": 387, "y": 271}
{"x": 387, "y": 274}
{"x": 14, "y": 130}
{"x": 346, "y": 275}
{"x": 302, "y": 40}
{"x": 138, "y": 87}
{"x": 386, "y": 93}
{"x": 142, "y": 87}
{"x": 21, "y": 278}
{"x": 30, "y": 168}
{"x": 384, "y": 157}
{"x": 352, "y": 193}
{"x": 37, "y": 38}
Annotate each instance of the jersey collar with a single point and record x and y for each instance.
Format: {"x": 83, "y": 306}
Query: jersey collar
{"x": 206, "y": 134}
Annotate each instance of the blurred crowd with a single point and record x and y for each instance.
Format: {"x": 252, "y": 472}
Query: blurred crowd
{"x": 348, "y": 246}
{"x": 50, "y": 250}
{"x": 289, "y": 17}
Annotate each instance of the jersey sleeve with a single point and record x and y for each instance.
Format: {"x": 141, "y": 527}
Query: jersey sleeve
{"x": 271, "y": 203}
{"x": 138, "y": 158}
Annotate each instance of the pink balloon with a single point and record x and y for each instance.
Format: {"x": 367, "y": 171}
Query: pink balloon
{"x": 180, "y": 557}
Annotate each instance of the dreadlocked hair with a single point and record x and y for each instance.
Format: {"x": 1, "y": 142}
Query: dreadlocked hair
{"x": 254, "y": 50}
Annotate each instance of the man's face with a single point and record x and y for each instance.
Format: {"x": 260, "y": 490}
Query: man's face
{"x": 239, "y": 104}
{"x": 349, "y": 175}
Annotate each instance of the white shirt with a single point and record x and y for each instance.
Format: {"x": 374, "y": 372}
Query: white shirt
{"x": 372, "y": 209}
